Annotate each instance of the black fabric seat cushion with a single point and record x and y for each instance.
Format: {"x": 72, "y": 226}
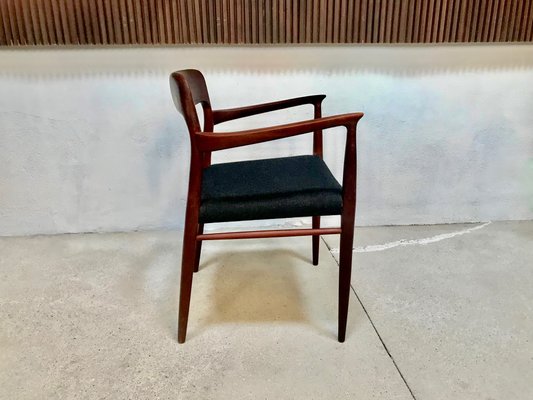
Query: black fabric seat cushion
{"x": 272, "y": 188}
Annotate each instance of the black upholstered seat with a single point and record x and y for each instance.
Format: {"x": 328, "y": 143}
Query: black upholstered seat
{"x": 270, "y": 188}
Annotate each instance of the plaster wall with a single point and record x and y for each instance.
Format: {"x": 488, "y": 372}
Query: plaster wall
{"x": 90, "y": 139}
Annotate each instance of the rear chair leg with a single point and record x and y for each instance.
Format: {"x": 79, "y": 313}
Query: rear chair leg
{"x": 198, "y": 248}
{"x": 316, "y": 240}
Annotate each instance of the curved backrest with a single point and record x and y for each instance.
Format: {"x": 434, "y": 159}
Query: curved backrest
{"x": 188, "y": 89}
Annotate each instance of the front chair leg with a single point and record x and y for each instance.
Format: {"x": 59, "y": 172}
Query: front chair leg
{"x": 345, "y": 272}
{"x": 316, "y": 239}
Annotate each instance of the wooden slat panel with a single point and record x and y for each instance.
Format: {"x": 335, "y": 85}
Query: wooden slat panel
{"x": 142, "y": 22}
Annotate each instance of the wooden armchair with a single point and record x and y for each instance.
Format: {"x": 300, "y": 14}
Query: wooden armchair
{"x": 261, "y": 189}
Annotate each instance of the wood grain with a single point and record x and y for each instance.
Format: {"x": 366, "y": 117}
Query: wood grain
{"x": 172, "y": 22}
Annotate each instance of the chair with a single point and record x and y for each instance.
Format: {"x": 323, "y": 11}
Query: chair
{"x": 300, "y": 186}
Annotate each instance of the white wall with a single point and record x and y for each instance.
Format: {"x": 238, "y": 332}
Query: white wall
{"x": 90, "y": 141}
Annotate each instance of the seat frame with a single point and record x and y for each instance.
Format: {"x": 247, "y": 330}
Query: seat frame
{"x": 188, "y": 89}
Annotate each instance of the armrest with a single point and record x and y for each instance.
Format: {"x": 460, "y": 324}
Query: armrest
{"x": 241, "y": 112}
{"x": 208, "y": 141}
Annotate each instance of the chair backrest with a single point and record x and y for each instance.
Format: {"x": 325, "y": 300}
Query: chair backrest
{"x": 188, "y": 89}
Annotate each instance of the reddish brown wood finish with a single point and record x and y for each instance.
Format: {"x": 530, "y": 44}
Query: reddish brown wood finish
{"x": 209, "y": 141}
{"x": 198, "y": 247}
{"x": 189, "y": 89}
{"x": 317, "y": 151}
{"x": 241, "y": 112}
{"x": 268, "y": 234}
{"x": 347, "y": 228}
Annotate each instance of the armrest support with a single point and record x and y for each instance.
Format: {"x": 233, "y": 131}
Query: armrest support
{"x": 241, "y": 112}
{"x": 208, "y": 141}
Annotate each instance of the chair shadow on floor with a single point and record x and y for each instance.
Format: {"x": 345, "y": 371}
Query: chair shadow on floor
{"x": 262, "y": 287}
{"x": 242, "y": 283}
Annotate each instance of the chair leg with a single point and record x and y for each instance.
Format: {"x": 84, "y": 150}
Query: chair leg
{"x": 345, "y": 272}
{"x": 316, "y": 240}
{"x": 198, "y": 248}
{"x": 187, "y": 267}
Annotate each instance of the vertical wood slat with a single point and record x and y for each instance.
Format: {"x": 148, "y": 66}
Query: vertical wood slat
{"x": 447, "y": 11}
{"x": 37, "y": 25}
{"x": 5, "y": 33}
{"x": 369, "y": 20}
{"x": 436, "y": 21}
{"x": 410, "y": 22}
{"x": 512, "y": 20}
{"x": 108, "y": 22}
{"x": 261, "y": 21}
{"x": 295, "y": 32}
{"x": 491, "y": 34}
{"x": 137, "y": 10}
{"x": 28, "y": 24}
{"x": 402, "y": 32}
{"x": 11, "y": 22}
{"x": 518, "y": 21}
{"x": 18, "y": 22}
{"x": 478, "y": 32}
{"x": 362, "y": 21}
{"x": 527, "y": 24}
{"x": 308, "y": 22}
{"x": 396, "y": 21}
{"x": 130, "y": 21}
{"x": 388, "y": 21}
{"x": 336, "y": 21}
{"x": 350, "y": 21}
{"x": 373, "y": 20}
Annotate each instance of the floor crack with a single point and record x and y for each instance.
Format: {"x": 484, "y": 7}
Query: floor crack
{"x": 375, "y": 329}
{"x": 383, "y": 343}
{"x": 411, "y": 242}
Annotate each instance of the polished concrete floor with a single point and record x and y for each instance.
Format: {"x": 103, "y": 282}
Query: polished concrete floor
{"x": 437, "y": 312}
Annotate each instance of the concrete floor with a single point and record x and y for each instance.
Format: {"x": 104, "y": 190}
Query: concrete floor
{"x": 447, "y": 315}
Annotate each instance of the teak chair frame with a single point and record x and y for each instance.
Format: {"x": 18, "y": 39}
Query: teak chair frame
{"x": 188, "y": 89}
